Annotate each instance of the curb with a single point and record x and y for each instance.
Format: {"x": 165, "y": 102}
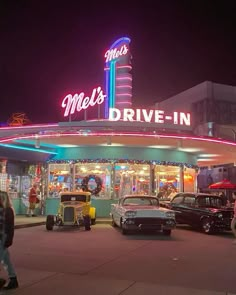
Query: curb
{"x": 24, "y": 225}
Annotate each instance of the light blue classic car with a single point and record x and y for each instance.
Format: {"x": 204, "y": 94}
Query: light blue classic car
{"x": 140, "y": 213}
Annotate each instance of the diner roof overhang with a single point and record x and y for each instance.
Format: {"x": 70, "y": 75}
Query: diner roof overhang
{"x": 39, "y": 142}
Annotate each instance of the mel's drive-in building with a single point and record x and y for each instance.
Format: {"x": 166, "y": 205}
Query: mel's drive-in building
{"x": 103, "y": 145}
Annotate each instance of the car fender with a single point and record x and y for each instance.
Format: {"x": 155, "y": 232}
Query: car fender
{"x": 92, "y": 212}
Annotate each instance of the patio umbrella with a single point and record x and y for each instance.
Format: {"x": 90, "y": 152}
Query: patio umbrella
{"x": 224, "y": 184}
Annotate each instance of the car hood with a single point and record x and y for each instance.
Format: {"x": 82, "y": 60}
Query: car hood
{"x": 217, "y": 210}
{"x": 148, "y": 211}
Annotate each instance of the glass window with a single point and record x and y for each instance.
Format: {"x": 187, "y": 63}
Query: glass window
{"x": 167, "y": 181}
{"x": 178, "y": 200}
{"x": 131, "y": 179}
{"x": 60, "y": 179}
{"x": 189, "y": 200}
{"x": 96, "y": 177}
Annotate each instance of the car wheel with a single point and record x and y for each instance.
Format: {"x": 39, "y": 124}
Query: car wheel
{"x": 113, "y": 222}
{"x": 167, "y": 232}
{"x": 50, "y": 222}
{"x": 123, "y": 230}
{"x": 206, "y": 226}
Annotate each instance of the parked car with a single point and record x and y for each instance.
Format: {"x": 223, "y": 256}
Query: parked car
{"x": 200, "y": 210}
{"x": 140, "y": 213}
{"x": 74, "y": 210}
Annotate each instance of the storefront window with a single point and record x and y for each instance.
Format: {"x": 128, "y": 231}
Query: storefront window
{"x": 167, "y": 181}
{"x": 60, "y": 179}
{"x": 189, "y": 179}
{"x": 131, "y": 179}
{"x": 95, "y": 177}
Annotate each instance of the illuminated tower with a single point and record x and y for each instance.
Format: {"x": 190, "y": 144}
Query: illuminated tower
{"x": 118, "y": 76}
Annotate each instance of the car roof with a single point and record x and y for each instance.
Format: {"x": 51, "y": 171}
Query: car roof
{"x": 197, "y": 194}
{"x": 75, "y": 193}
{"x": 138, "y": 196}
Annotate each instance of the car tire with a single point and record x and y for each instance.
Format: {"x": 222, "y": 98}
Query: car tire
{"x": 113, "y": 222}
{"x": 50, "y": 222}
{"x": 93, "y": 221}
{"x": 206, "y": 226}
{"x": 123, "y": 230}
{"x": 167, "y": 232}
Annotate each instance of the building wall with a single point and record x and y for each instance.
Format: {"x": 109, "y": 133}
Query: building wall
{"x": 134, "y": 153}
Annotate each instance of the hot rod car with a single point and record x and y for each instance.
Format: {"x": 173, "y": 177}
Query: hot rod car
{"x": 74, "y": 210}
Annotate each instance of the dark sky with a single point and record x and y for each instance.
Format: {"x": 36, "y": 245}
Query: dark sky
{"x": 51, "y": 48}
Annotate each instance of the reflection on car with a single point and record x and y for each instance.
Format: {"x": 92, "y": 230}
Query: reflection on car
{"x": 140, "y": 213}
{"x": 200, "y": 210}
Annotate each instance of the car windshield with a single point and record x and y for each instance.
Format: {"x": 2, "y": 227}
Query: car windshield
{"x": 210, "y": 202}
{"x": 145, "y": 201}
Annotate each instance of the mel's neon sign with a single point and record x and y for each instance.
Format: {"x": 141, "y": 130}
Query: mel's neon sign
{"x": 78, "y": 102}
{"x": 115, "y": 53}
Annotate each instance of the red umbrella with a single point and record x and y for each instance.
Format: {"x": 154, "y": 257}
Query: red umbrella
{"x": 224, "y": 184}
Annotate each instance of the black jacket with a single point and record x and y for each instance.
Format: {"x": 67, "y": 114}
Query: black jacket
{"x": 9, "y": 226}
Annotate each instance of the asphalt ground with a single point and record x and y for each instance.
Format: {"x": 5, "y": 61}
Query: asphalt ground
{"x": 105, "y": 262}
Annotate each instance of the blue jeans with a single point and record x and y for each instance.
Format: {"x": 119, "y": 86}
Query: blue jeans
{"x": 6, "y": 261}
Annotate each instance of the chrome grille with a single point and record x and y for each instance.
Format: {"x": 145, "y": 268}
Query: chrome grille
{"x": 69, "y": 214}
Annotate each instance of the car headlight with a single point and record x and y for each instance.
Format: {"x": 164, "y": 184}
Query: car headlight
{"x": 130, "y": 213}
{"x": 219, "y": 215}
{"x": 170, "y": 214}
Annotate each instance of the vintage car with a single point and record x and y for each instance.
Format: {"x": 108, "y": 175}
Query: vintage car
{"x": 200, "y": 210}
{"x": 74, "y": 209}
{"x": 140, "y": 213}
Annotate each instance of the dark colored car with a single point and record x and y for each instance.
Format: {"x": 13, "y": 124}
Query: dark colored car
{"x": 200, "y": 210}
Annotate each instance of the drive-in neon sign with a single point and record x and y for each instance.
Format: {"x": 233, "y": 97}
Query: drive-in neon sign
{"x": 77, "y": 102}
{"x": 144, "y": 115}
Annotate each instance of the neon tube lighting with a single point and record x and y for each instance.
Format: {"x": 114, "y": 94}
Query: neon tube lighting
{"x": 28, "y": 126}
{"x": 123, "y": 67}
{"x": 124, "y": 78}
{"x": 123, "y": 94}
{"x": 27, "y": 149}
{"x": 124, "y": 86}
{"x": 140, "y": 134}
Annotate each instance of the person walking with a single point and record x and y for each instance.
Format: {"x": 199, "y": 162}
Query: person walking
{"x": 233, "y": 222}
{"x": 6, "y": 239}
{"x": 32, "y": 200}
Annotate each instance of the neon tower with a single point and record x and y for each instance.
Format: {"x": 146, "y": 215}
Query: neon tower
{"x": 118, "y": 78}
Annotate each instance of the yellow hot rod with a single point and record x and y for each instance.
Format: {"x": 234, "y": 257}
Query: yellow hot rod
{"x": 75, "y": 210}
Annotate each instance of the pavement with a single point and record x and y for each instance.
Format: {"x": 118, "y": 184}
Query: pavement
{"x": 40, "y": 282}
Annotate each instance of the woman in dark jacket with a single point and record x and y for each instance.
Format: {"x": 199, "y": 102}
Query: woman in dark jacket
{"x": 6, "y": 239}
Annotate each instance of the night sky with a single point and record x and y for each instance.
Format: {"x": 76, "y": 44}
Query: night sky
{"x": 51, "y": 48}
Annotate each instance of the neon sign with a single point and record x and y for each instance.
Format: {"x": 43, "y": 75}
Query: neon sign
{"x": 143, "y": 115}
{"x": 79, "y": 102}
{"x": 115, "y": 53}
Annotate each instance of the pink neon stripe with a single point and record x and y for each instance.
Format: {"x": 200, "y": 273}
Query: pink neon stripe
{"x": 124, "y": 86}
{"x": 122, "y": 102}
{"x": 121, "y": 67}
{"x": 29, "y": 126}
{"x": 124, "y": 78}
{"x": 124, "y": 94}
{"x": 139, "y": 134}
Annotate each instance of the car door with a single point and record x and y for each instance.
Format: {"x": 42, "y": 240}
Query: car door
{"x": 189, "y": 212}
{"x": 177, "y": 205}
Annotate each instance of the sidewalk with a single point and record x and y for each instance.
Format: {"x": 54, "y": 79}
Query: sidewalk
{"x": 22, "y": 221}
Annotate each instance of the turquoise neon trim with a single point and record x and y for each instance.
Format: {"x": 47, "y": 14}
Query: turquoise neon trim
{"x": 27, "y": 149}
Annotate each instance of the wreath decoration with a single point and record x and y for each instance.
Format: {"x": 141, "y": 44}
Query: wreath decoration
{"x": 85, "y": 181}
